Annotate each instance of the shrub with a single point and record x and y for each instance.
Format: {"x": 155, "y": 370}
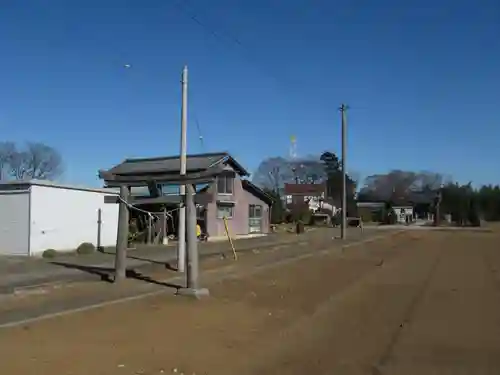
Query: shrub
{"x": 307, "y": 218}
{"x": 133, "y": 231}
{"x": 473, "y": 217}
{"x": 85, "y": 248}
{"x": 390, "y": 217}
{"x": 49, "y": 254}
{"x": 337, "y": 219}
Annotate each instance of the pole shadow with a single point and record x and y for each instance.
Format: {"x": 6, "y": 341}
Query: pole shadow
{"x": 106, "y": 274}
{"x": 167, "y": 265}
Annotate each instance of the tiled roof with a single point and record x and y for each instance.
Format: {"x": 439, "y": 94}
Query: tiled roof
{"x": 171, "y": 164}
{"x": 254, "y": 189}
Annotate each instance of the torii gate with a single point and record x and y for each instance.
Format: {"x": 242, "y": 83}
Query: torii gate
{"x": 142, "y": 177}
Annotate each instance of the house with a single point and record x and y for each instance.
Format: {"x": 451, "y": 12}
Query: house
{"x": 370, "y": 211}
{"x": 245, "y": 206}
{"x": 412, "y": 206}
{"x": 404, "y": 213}
{"x": 309, "y": 193}
{"x": 314, "y": 195}
{"x": 39, "y": 215}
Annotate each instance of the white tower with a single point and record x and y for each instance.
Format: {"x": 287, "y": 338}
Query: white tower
{"x": 293, "y": 147}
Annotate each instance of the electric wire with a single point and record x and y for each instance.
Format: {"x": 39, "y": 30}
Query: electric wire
{"x": 151, "y": 213}
{"x": 227, "y": 37}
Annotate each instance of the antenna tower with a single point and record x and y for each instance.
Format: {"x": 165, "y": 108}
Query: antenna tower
{"x": 293, "y": 147}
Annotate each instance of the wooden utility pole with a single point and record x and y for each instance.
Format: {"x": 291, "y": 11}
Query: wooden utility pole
{"x": 343, "y": 228}
{"x": 192, "y": 271}
{"x": 192, "y": 240}
{"x": 437, "y": 211}
{"x": 122, "y": 236}
{"x": 181, "y": 236}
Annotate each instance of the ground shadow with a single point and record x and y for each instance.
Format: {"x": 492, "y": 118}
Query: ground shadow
{"x": 167, "y": 265}
{"x": 107, "y": 274}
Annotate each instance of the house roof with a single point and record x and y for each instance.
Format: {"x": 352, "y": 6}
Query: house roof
{"x": 370, "y": 204}
{"x": 26, "y": 184}
{"x": 204, "y": 198}
{"x": 171, "y": 164}
{"x": 258, "y": 192}
{"x": 304, "y": 189}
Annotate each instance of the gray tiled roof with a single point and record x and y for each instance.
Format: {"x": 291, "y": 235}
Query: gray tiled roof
{"x": 247, "y": 185}
{"x": 26, "y": 184}
{"x": 171, "y": 164}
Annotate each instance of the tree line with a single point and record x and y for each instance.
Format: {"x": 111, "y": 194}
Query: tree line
{"x": 35, "y": 160}
{"x": 465, "y": 204}
{"x": 462, "y": 203}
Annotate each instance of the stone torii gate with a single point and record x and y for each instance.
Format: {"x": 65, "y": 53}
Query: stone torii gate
{"x": 142, "y": 177}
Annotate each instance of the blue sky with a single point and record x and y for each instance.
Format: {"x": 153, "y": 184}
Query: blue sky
{"x": 422, "y": 79}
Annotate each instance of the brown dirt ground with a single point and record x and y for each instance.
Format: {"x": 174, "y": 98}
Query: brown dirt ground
{"x": 417, "y": 303}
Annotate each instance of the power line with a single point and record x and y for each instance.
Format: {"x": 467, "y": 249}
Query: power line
{"x": 181, "y": 5}
{"x": 200, "y": 135}
{"x": 227, "y": 37}
{"x": 282, "y": 83}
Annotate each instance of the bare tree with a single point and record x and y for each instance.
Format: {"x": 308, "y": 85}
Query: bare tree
{"x": 400, "y": 184}
{"x": 7, "y": 151}
{"x": 276, "y": 171}
{"x": 37, "y": 161}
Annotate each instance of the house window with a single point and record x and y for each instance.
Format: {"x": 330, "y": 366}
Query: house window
{"x": 225, "y": 184}
{"x": 224, "y": 210}
{"x": 254, "y": 218}
{"x": 255, "y": 211}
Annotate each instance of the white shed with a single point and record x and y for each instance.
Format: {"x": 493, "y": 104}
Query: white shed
{"x": 38, "y": 215}
{"x": 402, "y": 212}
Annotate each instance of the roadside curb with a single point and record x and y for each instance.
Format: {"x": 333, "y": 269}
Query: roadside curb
{"x": 211, "y": 272}
{"x": 42, "y": 284}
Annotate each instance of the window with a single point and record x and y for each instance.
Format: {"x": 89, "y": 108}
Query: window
{"x": 171, "y": 189}
{"x": 255, "y": 211}
{"x": 225, "y": 184}
{"x": 254, "y": 218}
{"x": 224, "y": 210}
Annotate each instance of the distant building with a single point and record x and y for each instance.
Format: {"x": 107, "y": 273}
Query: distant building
{"x": 413, "y": 206}
{"x": 39, "y": 215}
{"x": 314, "y": 195}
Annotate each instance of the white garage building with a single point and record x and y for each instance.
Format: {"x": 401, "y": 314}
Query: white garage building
{"x": 39, "y": 215}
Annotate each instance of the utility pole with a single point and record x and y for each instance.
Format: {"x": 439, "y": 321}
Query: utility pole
{"x": 192, "y": 288}
{"x": 181, "y": 247}
{"x": 343, "y": 228}
{"x": 122, "y": 236}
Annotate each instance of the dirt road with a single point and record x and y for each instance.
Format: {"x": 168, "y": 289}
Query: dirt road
{"x": 420, "y": 303}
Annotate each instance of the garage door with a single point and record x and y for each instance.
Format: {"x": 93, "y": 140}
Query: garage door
{"x": 14, "y": 223}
